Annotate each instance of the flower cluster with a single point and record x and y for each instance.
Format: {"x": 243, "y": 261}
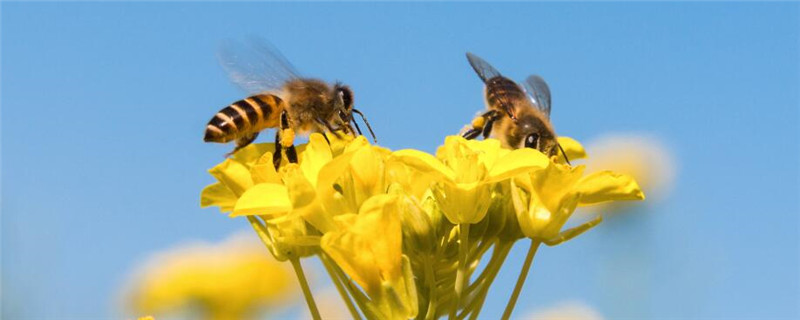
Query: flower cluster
{"x": 401, "y": 233}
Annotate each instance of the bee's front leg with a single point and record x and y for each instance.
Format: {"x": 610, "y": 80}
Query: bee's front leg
{"x": 329, "y": 128}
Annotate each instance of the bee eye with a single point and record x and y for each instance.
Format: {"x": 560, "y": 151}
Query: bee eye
{"x": 532, "y": 141}
{"x": 342, "y": 115}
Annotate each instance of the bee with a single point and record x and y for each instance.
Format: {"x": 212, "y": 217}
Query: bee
{"x": 278, "y": 98}
{"x": 519, "y": 118}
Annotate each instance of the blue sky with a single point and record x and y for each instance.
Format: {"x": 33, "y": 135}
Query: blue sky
{"x": 104, "y": 104}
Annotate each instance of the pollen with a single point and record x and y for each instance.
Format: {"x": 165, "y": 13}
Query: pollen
{"x": 478, "y": 122}
{"x": 287, "y": 137}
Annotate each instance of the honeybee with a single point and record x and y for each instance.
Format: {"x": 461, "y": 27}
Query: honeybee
{"x": 279, "y": 98}
{"x": 517, "y": 119}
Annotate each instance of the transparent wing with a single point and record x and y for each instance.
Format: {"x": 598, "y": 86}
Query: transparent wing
{"x": 255, "y": 65}
{"x": 482, "y": 68}
{"x": 539, "y": 93}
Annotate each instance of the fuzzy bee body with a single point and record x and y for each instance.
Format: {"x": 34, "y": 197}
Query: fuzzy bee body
{"x": 519, "y": 118}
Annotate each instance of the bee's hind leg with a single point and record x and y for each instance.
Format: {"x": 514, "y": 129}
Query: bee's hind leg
{"x": 490, "y": 119}
{"x": 284, "y": 139}
{"x": 471, "y": 134}
{"x": 276, "y": 157}
{"x": 291, "y": 152}
{"x": 481, "y": 124}
{"x": 243, "y": 142}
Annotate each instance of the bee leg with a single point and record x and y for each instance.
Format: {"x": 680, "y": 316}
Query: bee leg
{"x": 291, "y": 154}
{"x": 471, "y": 134}
{"x": 286, "y": 138}
{"x": 325, "y": 135}
{"x": 330, "y": 129}
{"x": 487, "y": 129}
{"x": 276, "y": 157}
{"x": 478, "y": 125}
{"x": 244, "y": 141}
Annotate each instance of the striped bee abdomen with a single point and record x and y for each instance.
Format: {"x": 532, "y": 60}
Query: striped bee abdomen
{"x": 244, "y": 117}
{"x": 501, "y": 89}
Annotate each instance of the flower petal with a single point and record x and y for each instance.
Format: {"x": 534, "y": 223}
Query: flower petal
{"x": 608, "y": 186}
{"x": 370, "y": 249}
{"x": 217, "y": 194}
{"x": 572, "y": 148}
{"x": 425, "y": 163}
{"x": 304, "y": 199}
{"x": 263, "y": 199}
{"x": 316, "y": 155}
{"x": 263, "y": 171}
{"x": 517, "y": 162}
{"x": 253, "y": 152}
{"x": 233, "y": 175}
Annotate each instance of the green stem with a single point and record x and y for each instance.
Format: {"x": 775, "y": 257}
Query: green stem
{"x": 301, "y": 277}
{"x": 430, "y": 280}
{"x": 461, "y": 275}
{"x": 523, "y": 274}
{"x": 358, "y": 296}
{"x": 337, "y": 281}
{"x": 497, "y": 264}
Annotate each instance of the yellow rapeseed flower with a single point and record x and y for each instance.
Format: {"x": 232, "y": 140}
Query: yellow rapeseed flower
{"x": 231, "y": 280}
{"x": 464, "y": 171}
{"x": 392, "y": 228}
{"x": 546, "y": 199}
{"x": 369, "y": 249}
{"x": 643, "y": 157}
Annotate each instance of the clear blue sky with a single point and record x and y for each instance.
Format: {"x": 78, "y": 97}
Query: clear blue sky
{"x": 104, "y": 105}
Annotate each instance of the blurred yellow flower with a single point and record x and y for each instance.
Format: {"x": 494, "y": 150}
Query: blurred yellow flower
{"x": 644, "y": 157}
{"x": 567, "y": 310}
{"x": 234, "y": 279}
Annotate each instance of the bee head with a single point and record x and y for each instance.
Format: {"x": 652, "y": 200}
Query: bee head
{"x": 342, "y": 116}
{"x": 342, "y": 103}
{"x": 532, "y": 132}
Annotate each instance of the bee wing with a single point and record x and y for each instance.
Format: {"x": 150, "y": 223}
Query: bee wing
{"x": 486, "y": 72}
{"x": 482, "y": 68}
{"x": 539, "y": 93}
{"x": 255, "y": 65}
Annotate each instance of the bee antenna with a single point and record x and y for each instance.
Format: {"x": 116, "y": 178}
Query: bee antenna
{"x": 356, "y": 124}
{"x": 367, "y": 123}
{"x": 564, "y": 153}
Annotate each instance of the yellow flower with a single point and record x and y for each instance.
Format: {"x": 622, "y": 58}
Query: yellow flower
{"x": 466, "y": 169}
{"x": 572, "y": 148}
{"x": 230, "y": 280}
{"x": 285, "y": 200}
{"x": 566, "y": 310}
{"x": 387, "y": 224}
{"x": 368, "y": 247}
{"x": 547, "y": 198}
{"x": 645, "y": 158}
{"x": 352, "y": 178}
